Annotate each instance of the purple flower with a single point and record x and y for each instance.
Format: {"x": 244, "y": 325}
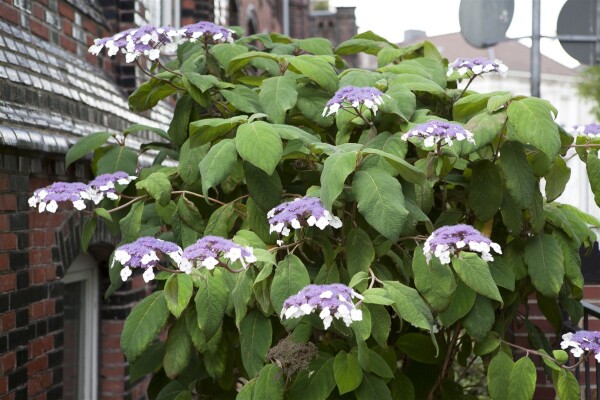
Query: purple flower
{"x": 450, "y": 240}
{"x": 477, "y": 66}
{"x": 435, "y": 131}
{"x": 305, "y": 211}
{"x": 209, "y": 249}
{"x": 208, "y": 31}
{"x": 47, "y": 198}
{"x": 143, "y": 254}
{"x": 581, "y": 341}
{"x": 353, "y": 97}
{"x": 592, "y": 130}
{"x": 334, "y": 301}
{"x": 104, "y": 185}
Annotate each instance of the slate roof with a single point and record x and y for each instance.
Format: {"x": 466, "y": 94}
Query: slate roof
{"x": 50, "y": 97}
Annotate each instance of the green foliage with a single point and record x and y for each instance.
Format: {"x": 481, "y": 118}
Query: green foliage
{"x": 248, "y": 134}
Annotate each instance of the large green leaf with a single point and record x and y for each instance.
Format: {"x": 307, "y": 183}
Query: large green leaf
{"x": 545, "y": 264}
{"x": 518, "y": 175}
{"x": 158, "y": 186}
{"x": 131, "y": 224}
{"x": 315, "y": 383}
{"x": 149, "y": 93}
{"x": 409, "y": 305}
{"x": 405, "y": 169}
{"x": 336, "y": 169}
{"x": 485, "y": 194}
{"x": 359, "y": 251}
{"x": 417, "y": 83}
{"x": 290, "y": 277}
{"x": 380, "y": 201}
{"x": 264, "y": 189}
{"x": 522, "y": 380}
{"x": 211, "y": 301}
{"x": 217, "y": 164}
{"x": 270, "y": 383}
{"x": 557, "y": 179}
{"x": 277, "y": 95}
{"x": 498, "y": 376}
{"x": 419, "y": 348}
{"x": 178, "y": 292}
{"x": 401, "y": 101}
{"x": 532, "y": 119}
{"x": 180, "y": 124}
{"x": 347, "y": 371}
{"x": 86, "y": 145}
{"x": 316, "y": 68}
{"x": 178, "y": 350}
{"x": 242, "y": 293}
{"x": 189, "y": 160}
{"x": 567, "y": 386}
{"x": 142, "y": 325}
{"x": 593, "y": 170}
{"x": 461, "y": 303}
{"x": 243, "y": 98}
{"x": 118, "y": 158}
{"x": 434, "y": 281}
{"x": 480, "y": 319}
{"x": 485, "y": 128}
{"x": 476, "y": 274}
{"x": 206, "y": 130}
{"x": 255, "y": 341}
{"x": 381, "y": 324}
{"x": 259, "y": 144}
{"x": 373, "y": 387}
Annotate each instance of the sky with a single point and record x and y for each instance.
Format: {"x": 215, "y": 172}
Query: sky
{"x": 390, "y": 18}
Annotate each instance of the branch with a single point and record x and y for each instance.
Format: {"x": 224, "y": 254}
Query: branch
{"x": 544, "y": 355}
{"x": 133, "y": 200}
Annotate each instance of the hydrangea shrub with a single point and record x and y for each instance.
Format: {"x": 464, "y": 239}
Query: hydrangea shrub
{"x": 332, "y": 232}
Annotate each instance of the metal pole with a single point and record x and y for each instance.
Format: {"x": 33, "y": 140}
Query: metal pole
{"x": 286, "y": 17}
{"x": 535, "y": 48}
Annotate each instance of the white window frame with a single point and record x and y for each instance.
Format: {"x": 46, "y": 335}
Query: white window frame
{"x": 84, "y": 269}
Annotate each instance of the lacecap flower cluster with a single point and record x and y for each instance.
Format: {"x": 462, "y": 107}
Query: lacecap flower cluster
{"x": 477, "y": 66}
{"x": 207, "y": 251}
{"x": 143, "y": 254}
{"x": 301, "y": 212}
{"x": 354, "y": 97}
{"x": 439, "y": 131}
{"x": 591, "y": 130}
{"x": 47, "y": 198}
{"x": 333, "y": 301}
{"x": 582, "y": 341}
{"x": 448, "y": 241}
{"x": 152, "y": 41}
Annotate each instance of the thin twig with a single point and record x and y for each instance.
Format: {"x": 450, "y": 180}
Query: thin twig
{"x": 173, "y": 271}
{"x": 148, "y": 73}
{"x": 127, "y": 204}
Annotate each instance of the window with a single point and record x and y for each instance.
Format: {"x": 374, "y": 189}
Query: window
{"x": 80, "y": 364}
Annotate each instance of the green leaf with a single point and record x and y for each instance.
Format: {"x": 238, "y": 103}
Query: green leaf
{"x": 149, "y": 362}
{"x": 490, "y": 343}
{"x": 379, "y": 366}
{"x": 406, "y": 170}
{"x": 315, "y": 383}
{"x": 381, "y": 324}
{"x": 240, "y": 61}
{"x": 86, "y": 145}
{"x": 485, "y": 128}
{"x": 434, "y": 281}
{"x": 149, "y": 93}
{"x": 247, "y": 391}
{"x": 476, "y": 274}
{"x": 290, "y": 277}
{"x": 141, "y": 127}
{"x": 419, "y": 348}
{"x": 480, "y": 319}
{"x": 260, "y": 145}
{"x": 377, "y": 296}
{"x": 218, "y": 223}
{"x": 409, "y": 305}
{"x": 158, "y": 187}
{"x": 545, "y": 264}
{"x": 470, "y": 105}
{"x": 131, "y": 224}
{"x": 316, "y": 45}
{"x": 265, "y": 190}
{"x": 270, "y": 383}
{"x": 179, "y": 127}
{"x": 485, "y": 195}
{"x": 347, "y": 371}
{"x": 217, "y": 164}
{"x": 336, "y": 169}
{"x": 359, "y": 251}
{"x": 417, "y": 83}
{"x": 317, "y": 69}
{"x": 243, "y": 98}
{"x": 178, "y": 350}
{"x": 461, "y": 303}
{"x": 402, "y": 101}
{"x": 242, "y": 293}
{"x": 518, "y": 175}
{"x": 118, "y": 158}
{"x": 593, "y": 170}
{"x": 498, "y": 376}
{"x": 178, "y": 292}
{"x": 207, "y": 130}
{"x": 189, "y": 159}
{"x": 522, "y": 380}
{"x": 557, "y": 179}
{"x": 277, "y": 95}
{"x": 255, "y": 341}
{"x": 498, "y": 101}
{"x": 143, "y": 324}
{"x": 380, "y": 201}
{"x": 532, "y": 119}
{"x": 503, "y": 274}
{"x": 225, "y": 52}
{"x": 89, "y": 227}
{"x": 567, "y": 386}
{"x": 290, "y": 132}
{"x": 211, "y": 301}
{"x": 371, "y": 388}
{"x": 311, "y": 102}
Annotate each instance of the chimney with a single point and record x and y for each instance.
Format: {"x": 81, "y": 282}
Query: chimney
{"x": 412, "y": 35}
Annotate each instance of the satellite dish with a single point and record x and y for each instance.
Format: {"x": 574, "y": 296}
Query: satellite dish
{"x": 483, "y": 23}
{"x": 578, "y": 17}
